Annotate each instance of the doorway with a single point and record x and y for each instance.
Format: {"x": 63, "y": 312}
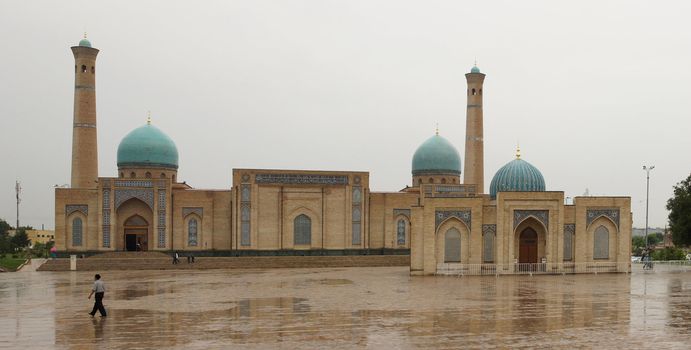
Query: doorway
{"x": 136, "y": 234}
{"x": 527, "y": 253}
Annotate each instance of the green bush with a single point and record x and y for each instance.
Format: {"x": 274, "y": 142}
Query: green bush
{"x": 669, "y": 254}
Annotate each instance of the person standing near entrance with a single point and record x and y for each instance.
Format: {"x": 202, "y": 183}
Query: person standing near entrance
{"x": 99, "y": 289}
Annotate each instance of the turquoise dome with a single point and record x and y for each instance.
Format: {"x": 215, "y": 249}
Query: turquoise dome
{"x": 517, "y": 176}
{"x": 436, "y": 156}
{"x": 475, "y": 69}
{"x": 147, "y": 146}
{"x": 85, "y": 42}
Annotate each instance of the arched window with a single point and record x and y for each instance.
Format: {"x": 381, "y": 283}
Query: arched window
{"x": 302, "y": 230}
{"x": 77, "y": 232}
{"x": 452, "y": 246}
{"x": 431, "y": 180}
{"x": 357, "y": 214}
{"x": 163, "y": 175}
{"x": 443, "y": 180}
{"x": 357, "y": 195}
{"x": 192, "y": 233}
{"x": 400, "y": 232}
{"x": 480, "y": 91}
{"x": 93, "y": 70}
{"x": 473, "y": 92}
{"x": 488, "y": 247}
{"x": 601, "y": 243}
{"x": 568, "y": 245}
{"x": 147, "y": 175}
{"x": 419, "y": 181}
{"x": 83, "y": 69}
{"x": 133, "y": 175}
{"x": 245, "y": 225}
{"x": 122, "y": 175}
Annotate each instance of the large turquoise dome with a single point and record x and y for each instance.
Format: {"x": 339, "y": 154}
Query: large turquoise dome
{"x": 436, "y": 156}
{"x": 517, "y": 176}
{"x": 147, "y": 146}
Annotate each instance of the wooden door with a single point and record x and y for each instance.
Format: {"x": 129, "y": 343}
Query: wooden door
{"x": 527, "y": 252}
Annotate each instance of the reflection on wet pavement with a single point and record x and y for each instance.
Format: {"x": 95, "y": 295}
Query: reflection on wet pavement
{"x": 344, "y": 308}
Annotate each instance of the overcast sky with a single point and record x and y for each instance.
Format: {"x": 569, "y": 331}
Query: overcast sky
{"x": 593, "y": 90}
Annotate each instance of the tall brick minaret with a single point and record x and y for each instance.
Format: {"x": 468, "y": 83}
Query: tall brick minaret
{"x": 474, "y": 170}
{"x": 84, "y": 146}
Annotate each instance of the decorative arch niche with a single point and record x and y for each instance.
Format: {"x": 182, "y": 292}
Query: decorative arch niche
{"x": 452, "y": 225}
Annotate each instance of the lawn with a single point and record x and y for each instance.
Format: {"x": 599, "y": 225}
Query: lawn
{"x": 10, "y": 264}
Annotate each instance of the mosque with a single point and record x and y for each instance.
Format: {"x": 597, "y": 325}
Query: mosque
{"x": 439, "y": 219}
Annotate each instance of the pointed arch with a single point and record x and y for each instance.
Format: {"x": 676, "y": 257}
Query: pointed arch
{"x": 452, "y": 246}
{"x": 601, "y": 217}
{"x": 136, "y": 220}
{"x": 401, "y": 230}
{"x": 77, "y": 231}
{"x": 463, "y": 244}
{"x": 302, "y": 230}
{"x": 453, "y": 218}
{"x": 529, "y": 248}
{"x": 601, "y": 243}
{"x": 602, "y": 240}
{"x": 193, "y": 229}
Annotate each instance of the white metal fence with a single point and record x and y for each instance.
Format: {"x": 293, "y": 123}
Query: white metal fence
{"x": 662, "y": 266}
{"x": 456, "y": 269}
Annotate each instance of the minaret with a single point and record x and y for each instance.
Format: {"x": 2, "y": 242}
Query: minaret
{"x": 474, "y": 149}
{"x": 84, "y": 149}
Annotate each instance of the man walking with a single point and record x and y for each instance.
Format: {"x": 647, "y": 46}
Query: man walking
{"x": 99, "y": 289}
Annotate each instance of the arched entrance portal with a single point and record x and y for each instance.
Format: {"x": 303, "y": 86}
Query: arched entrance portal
{"x": 136, "y": 234}
{"x": 527, "y": 252}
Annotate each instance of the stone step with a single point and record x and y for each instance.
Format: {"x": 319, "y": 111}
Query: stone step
{"x": 148, "y": 263}
{"x": 115, "y": 255}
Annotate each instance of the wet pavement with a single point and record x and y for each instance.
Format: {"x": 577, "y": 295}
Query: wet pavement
{"x": 378, "y": 308}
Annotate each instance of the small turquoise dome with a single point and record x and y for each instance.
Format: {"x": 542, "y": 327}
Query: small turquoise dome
{"x": 436, "y": 156}
{"x": 517, "y": 176}
{"x": 85, "y": 42}
{"x": 475, "y": 69}
{"x": 147, "y": 146}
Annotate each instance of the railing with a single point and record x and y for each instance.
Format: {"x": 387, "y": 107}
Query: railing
{"x": 456, "y": 269}
{"x": 662, "y": 266}
{"x": 449, "y": 191}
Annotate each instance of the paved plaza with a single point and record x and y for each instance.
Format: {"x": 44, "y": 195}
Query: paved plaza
{"x": 377, "y": 308}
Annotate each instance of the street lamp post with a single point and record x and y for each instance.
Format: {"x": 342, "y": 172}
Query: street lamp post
{"x": 647, "y": 169}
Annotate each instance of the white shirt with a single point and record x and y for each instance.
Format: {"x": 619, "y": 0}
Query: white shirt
{"x": 99, "y": 287}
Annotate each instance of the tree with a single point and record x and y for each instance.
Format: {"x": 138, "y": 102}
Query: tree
{"x": 4, "y": 227}
{"x": 5, "y": 240}
{"x": 20, "y": 238}
{"x": 637, "y": 245}
{"x": 669, "y": 254}
{"x": 679, "y": 207}
{"x": 655, "y": 238}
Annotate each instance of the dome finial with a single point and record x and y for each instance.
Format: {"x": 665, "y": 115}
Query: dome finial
{"x": 475, "y": 68}
{"x": 84, "y": 35}
{"x": 518, "y": 151}
{"x": 148, "y": 118}
{"x": 437, "y": 130}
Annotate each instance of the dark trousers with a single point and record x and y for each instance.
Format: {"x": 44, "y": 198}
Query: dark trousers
{"x": 98, "y": 305}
